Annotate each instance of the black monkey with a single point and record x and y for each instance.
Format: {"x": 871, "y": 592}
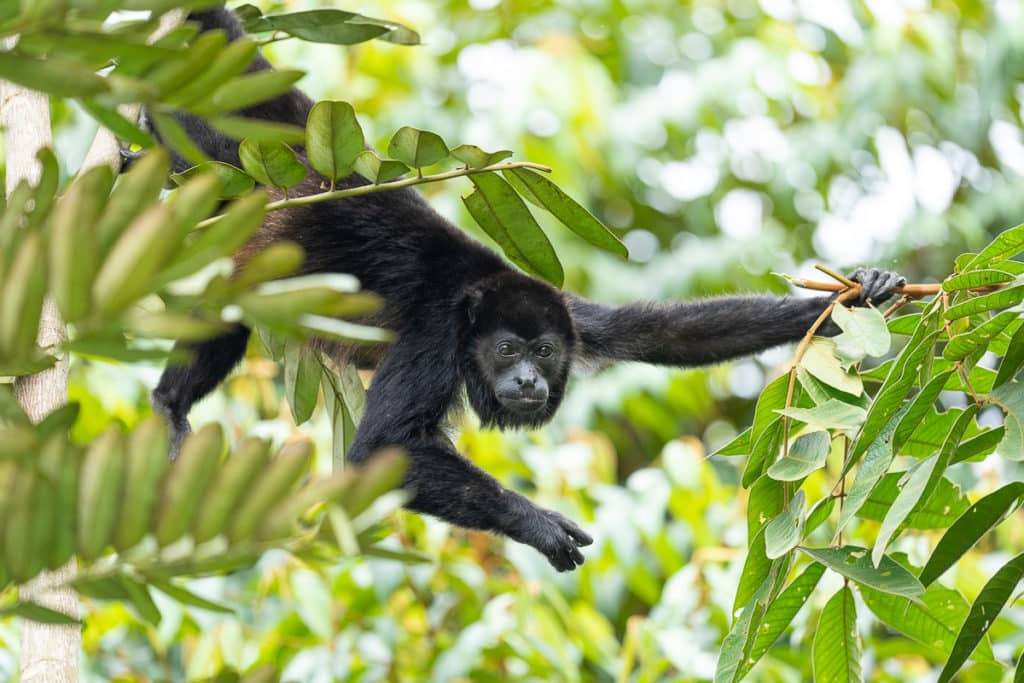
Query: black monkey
{"x": 466, "y": 319}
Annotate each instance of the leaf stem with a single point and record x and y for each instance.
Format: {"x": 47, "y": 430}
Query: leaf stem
{"x": 833, "y": 274}
{"x": 959, "y": 365}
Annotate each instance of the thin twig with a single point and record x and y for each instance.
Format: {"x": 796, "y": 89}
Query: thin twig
{"x": 847, "y": 282}
{"x": 897, "y": 305}
{"x": 912, "y": 291}
{"x": 361, "y": 190}
{"x": 798, "y": 356}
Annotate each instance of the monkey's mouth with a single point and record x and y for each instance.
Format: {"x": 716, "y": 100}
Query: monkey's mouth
{"x": 522, "y": 404}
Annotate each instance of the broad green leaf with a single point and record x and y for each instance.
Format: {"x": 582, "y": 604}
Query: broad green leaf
{"x": 819, "y": 514}
{"x": 820, "y": 360}
{"x": 1002, "y": 298}
{"x": 271, "y": 163}
{"x": 864, "y": 329}
{"x": 474, "y": 157}
{"x": 766, "y": 500}
{"x": 892, "y": 394}
{"x": 1007, "y": 244}
{"x": 500, "y": 212}
{"x": 934, "y": 621}
{"x": 417, "y": 148}
{"x": 247, "y": 90}
{"x": 378, "y": 170}
{"x": 756, "y": 568}
{"x": 54, "y": 75}
{"x": 335, "y": 27}
{"x": 541, "y": 192}
{"x": 334, "y": 139}
{"x": 833, "y": 414}
{"x": 1013, "y": 360}
{"x": 135, "y": 190}
{"x": 228, "y": 63}
{"x": 970, "y": 528}
{"x": 976, "y": 278}
{"x": 919, "y": 407}
{"x": 940, "y": 510}
{"x": 738, "y": 446}
{"x": 301, "y": 381}
{"x": 806, "y": 454}
{"x": 979, "y": 337}
{"x": 916, "y": 479}
{"x": 986, "y": 608}
{"x": 35, "y": 612}
{"x": 905, "y": 324}
{"x": 110, "y": 118}
{"x": 187, "y": 597}
{"x": 783, "y": 533}
{"x": 781, "y": 612}
{"x": 343, "y": 331}
{"x": 257, "y": 130}
{"x": 764, "y": 450}
{"x": 978, "y": 446}
{"x": 772, "y": 399}
{"x": 174, "y": 136}
{"x": 836, "y": 651}
{"x": 853, "y": 563}
{"x": 234, "y": 181}
{"x": 1010, "y": 399}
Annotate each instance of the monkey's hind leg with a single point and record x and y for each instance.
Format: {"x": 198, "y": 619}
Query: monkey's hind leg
{"x": 182, "y": 385}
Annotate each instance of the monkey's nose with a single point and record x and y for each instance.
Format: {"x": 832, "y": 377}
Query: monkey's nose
{"x": 526, "y": 382}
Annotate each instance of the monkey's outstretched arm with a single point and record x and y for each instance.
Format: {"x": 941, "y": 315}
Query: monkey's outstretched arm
{"x": 706, "y": 331}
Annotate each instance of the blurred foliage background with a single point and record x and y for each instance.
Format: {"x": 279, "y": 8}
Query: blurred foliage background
{"x": 724, "y": 141}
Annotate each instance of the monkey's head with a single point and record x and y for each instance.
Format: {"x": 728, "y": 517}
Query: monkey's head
{"x": 519, "y": 345}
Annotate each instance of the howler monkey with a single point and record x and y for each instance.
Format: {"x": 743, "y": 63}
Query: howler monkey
{"x": 465, "y": 319}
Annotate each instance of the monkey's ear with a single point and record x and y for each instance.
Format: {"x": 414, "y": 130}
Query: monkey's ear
{"x": 471, "y": 302}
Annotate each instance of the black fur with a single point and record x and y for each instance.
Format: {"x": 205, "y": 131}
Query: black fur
{"x": 442, "y": 293}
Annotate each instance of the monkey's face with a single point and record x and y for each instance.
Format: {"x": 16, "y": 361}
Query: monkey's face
{"x": 523, "y": 378}
{"x": 521, "y": 370}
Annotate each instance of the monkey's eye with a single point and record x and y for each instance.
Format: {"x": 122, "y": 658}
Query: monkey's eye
{"x": 545, "y": 350}
{"x": 506, "y": 349}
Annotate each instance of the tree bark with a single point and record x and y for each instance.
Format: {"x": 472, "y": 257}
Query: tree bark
{"x": 49, "y": 653}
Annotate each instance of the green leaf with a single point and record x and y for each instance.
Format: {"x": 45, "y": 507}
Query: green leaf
{"x": 916, "y": 479}
{"x": 541, "y": 192}
{"x": 335, "y": 27}
{"x": 346, "y": 332}
{"x": 853, "y": 563}
{"x": 1007, "y": 244}
{"x": 271, "y": 163}
{"x": 497, "y": 208}
{"x": 234, "y": 181}
{"x": 905, "y": 324}
{"x": 1002, "y": 298}
{"x": 833, "y": 414}
{"x": 36, "y": 612}
{"x": 977, "y": 278}
{"x": 962, "y": 345}
{"x": 301, "y": 380}
{"x": 836, "y": 651}
{"x": 378, "y": 170}
{"x": 756, "y": 568}
{"x": 819, "y": 514}
{"x": 1010, "y": 399}
{"x": 247, "y": 90}
{"x": 118, "y": 125}
{"x": 175, "y": 137}
{"x": 820, "y": 360}
{"x": 783, "y": 533}
{"x": 919, "y": 407}
{"x": 240, "y": 128}
{"x": 940, "y": 510}
{"x": 187, "y": 597}
{"x": 864, "y": 329}
{"x": 806, "y": 454}
{"x": 53, "y": 75}
{"x": 333, "y": 139}
{"x": 228, "y": 63}
{"x": 970, "y": 528}
{"x": 738, "y": 446}
{"x": 766, "y": 500}
{"x": 986, "y": 608}
{"x": 781, "y": 612}
{"x": 1013, "y": 360}
{"x": 934, "y": 621}
{"x": 474, "y": 157}
{"x": 417, "y": 148}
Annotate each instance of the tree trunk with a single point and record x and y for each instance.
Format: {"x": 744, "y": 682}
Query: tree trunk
{"x": 48, "y": 653}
